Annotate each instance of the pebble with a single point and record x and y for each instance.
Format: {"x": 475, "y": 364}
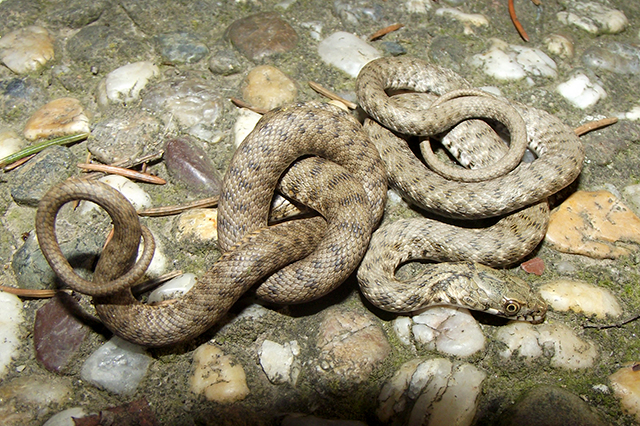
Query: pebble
{"x": 173, "y": 289}
{"x": 514, "y": 62}
{"x": 267, "y": 87}
{"x": 133, "y": 192}
{"x": 124, "y": 84}
{"x": 224, "y": 60}
{"x": 632, "y": 193}
{"x": 550, "y": 406}
{"x": 352, "y": 13}
{"x": 137, "y": 412}
{"x": 533, "y": 266}
{"x": 190, "y": 101}
{"x": 418, "y": 6}
{"x": 433, "y": 392}
{"x": 218, "y": 376}
{"x": 10, "y": 337}
{"x": 198, "y": 227}
{"x": 556, "y": 341}
{"x": 626, "y": 386}
{"x": 262, "y": 35}
{"x": 468, "y": 20}
{"x": 577, "y": 296}
{"x": 615, "y": 57}
{"x": 66, "y": 417}
{"x": 26, "y": 397}
{"x": 351, "y": 345}
{"x": 593, "y": 17}
{"x": 63, "y": 116}
{"x": 559, "y": 45}
{"x": 452, "y": 331}
{"x": 57, "y": 332}
{"x": 27, "y": 49}
{"x": 589, "y": 223}
{"x": 10, "y": 142}
{"x": 181, "y": 48}
{"x": 117, "y": 366}
{"x": 347, "y": 52}
{"x": 280, "y": 362}
{"x": 245, "y": 123}
{"x": 189, "y": 165}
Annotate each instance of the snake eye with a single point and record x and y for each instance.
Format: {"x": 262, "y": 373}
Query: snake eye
{"x": 511, "y": 307}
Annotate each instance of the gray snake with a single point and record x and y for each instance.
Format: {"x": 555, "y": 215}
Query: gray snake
{"x": 348, "y": 190}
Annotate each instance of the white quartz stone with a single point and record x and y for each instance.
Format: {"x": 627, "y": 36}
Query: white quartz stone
{"x": 514, "y": 62}
{"x": 347, "y": 52}
{"x": 469, "y": 20}
{"x": 131, "y": 190}
{"x": 418, "y": 6}
{"x": 564, "y": 295}
{"x": 10, "y": 143}
{"x": 125, "y": 83}
{"x": 65, "y": 418}
{"x": 10, "y": 338}
{"x": 594, "y": 17}
{"x": 279, "y": 362}
{"x": 26, "y": 49}
{"x": 173, "y": 289}
{"x": 580, "y": 91}
{"x": 117, "y": 366}
{"x": 244, "y": 124}
{"x": 453, "y": 331}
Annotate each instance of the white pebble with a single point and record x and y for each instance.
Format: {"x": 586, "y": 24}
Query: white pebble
{"x": 279, "y": 362}
{"x": 402, "y": 328}
{"x": 581, "y": 92}
{"x": 559, "y": 45}
{"x": 626, "y": 385}
{"x": 125, "y": 83}
{"x": 26, "y": 49}
{"x": 418, "y": 6}
{"x": 131, "y": 190}
{"x": 594, "y": 18}
{"x": 569, "y": 351}
{"x": 117, "y": 366}
{"x": 244, "y": 124}
{"x": 10, "y": 143}
{"x": 453, "y": 331}
{"x": 315, "y": 29}
{"x": 564, "y": 295}
{"x": 467, "y": 19}
{"x": 347, "y": 52}
{"x": 65, "y": 418}
{"x": 173, "y": 289}
{"x": 218, "y": 376}
{"x": 10, "y": 319}
{"x": 633, "y": 114}
{"x": 513, "y": 62}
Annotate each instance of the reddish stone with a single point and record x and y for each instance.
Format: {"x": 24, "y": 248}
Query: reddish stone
{"x": 533, "y": 266}
{"x": 57, "y": 333}
{"x": 262, "y": 35}
{"x": 135, "y": 413}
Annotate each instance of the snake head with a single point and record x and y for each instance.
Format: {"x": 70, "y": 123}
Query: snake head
{"x": 507, "y": 296}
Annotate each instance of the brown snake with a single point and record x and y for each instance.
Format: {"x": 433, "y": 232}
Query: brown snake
{"x": 256, "y": 253}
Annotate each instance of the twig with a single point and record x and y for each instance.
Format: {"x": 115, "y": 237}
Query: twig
{"x": 132, "y": 174}
{"x": 242, "y": 104}
{"x": 171, "y": 210}
{"x": 331, "y": 95}
{"x": 129, "y": 163}
{"x": 516, "y": 23}
{"x": 34, "y": 149}
{"x": 614, "y": 325}
{"x": 31, "y": 293}
{"x": 385, "y": 31}
{"x": 594, "y": 125}
{"x": 18, "y": 163}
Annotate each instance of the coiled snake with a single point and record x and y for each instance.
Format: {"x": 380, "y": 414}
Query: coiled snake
{"x": 346, "y": 185}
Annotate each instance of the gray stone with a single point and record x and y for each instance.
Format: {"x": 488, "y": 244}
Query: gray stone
{"x": 74, "y": 13}
{"x": 180, "y": 48}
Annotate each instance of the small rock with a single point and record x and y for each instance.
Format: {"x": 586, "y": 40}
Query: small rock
{"x": 217, "y": 376}
{"x": 267, "y": 87}
{"x": 10, "y": 143}
{"x": 198, "y": 226}
{"x": 263, "y": 35}
{"x": 632, "y": 193}
{"x": 593, "y": 17}
{"x": 64, "y": 116}
{"x": 355, "y": 12}
{"x": 347, "y": 52}
{"x": 117, "y": 366}
{"x": 181, "y": 48}
{"x": 75, "y": 13}
{"x": 418, "y": 6}
{"x": 564, "y": 295}
{"x": 37, "y": 390}
{"x": 136, "y": 412}
{"x": 533, "y": 266}
{"x": 10, "y": 338}
{"x": 615, "y": 57}
{"x": 190, "y": 165}
{"x": 626, "y": 385}
{"x": 559, "y": 45}
{"x": 551, "y": 406}
{"x": 244, "y": 124}
{"x": 66, "y": 417}
{"x": 124, "y": 84}
{"x": 513, "y": 62}
{"x": 589, "y": 223}
{"x": 351, "y": 345}
{"x": 224, "y": 61}
{"x": 468, "y": 20}
{"x": 57, "y": 333}
{"x": 173, "y": 289}
{"x": 279, "y": 362}
{"x": 581, "y": 92}
{"x": 131, "y": 190}
{"x": 393, "y": 48}
{"x": 555, "y": 340}
{"x": 26, "y": 49}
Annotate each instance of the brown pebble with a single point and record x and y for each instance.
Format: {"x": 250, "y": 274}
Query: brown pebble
{"x": 63, "y": 116}
{"x": 191, "y": 166}
{"x": 262, "y": 35}
{"x": 533, "y": 266}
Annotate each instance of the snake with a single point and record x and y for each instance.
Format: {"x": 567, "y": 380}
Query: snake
{"x": 461, "y": 255}
{"x": 320, "y": 156}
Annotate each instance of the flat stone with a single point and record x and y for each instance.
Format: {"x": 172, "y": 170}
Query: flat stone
{"x": 125, "y": 83}
{"x": 533, "y": 266}
{"x": 551, "y": 406}
{"x": 626, "y": 385}
{"x": 577, "y": 296}
{"x": 263, "y": 35}
{"x": 27, "y": 49}
{"x": 191, "y": 167}
{"x": 347, "y": 52}
{"x": 57, "y": 333}
{"x": 581, "y": 92}
{"x": 280, "y": 362}
{"x": 60, "y": 117}
{"x": 267, "y": 87}
{"x": 590, "y": 223}
{"x": 224, "y": 60}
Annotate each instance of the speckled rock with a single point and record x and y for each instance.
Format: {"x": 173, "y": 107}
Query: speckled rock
{"x": 224, "y": 60}
{"x": 267, "y": 87}
{"x": 60, "y": 117}
{"x": 197, "y": 227}
{"x": 551, "y": 406}
{"x": 263, "y": 35}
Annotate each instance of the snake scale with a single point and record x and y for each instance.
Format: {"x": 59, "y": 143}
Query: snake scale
{"x": 322, "y": 157}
